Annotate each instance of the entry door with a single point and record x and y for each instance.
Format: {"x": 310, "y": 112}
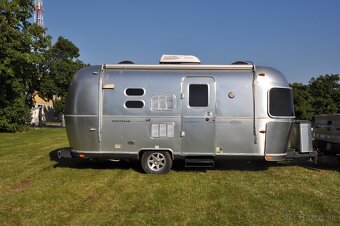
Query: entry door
{"x": 198, "y": 115}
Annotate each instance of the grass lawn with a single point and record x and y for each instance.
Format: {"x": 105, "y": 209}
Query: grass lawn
{"x": 37, "y": 190}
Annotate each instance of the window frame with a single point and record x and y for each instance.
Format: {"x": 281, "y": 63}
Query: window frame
{"x": 134, "y": 101}
{"x": 144, "y": 91}
{"x": 268, "y": 102}
{"x": 208, "y": 96}
{"x": 173, "y": 124}
{"x": 163, "y": 95}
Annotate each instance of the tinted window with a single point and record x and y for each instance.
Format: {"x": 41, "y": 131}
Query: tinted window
{"x": 134, "y": 104}
{"x": 198, "y": 95}
{"x": 281, "y": 102}
{"x": 134, "y": 92}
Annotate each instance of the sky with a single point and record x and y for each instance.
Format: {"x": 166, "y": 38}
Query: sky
{"x": 300, "y": 38}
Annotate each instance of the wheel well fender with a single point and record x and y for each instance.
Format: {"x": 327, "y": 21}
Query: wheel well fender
{"x": 141, "y": 151}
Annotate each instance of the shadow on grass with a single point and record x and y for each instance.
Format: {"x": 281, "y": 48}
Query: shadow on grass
{"x": 46, "y": 125}
{"x": 227, "y": 164}
{"x": 324, "y": 163}
{"x": 92, "y": 164}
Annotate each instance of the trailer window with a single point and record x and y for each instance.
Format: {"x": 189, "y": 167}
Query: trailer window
{"x": 281, "y": 102}
{"x": 198, "y": 95}
{"x": 162, "y": 130}
{"x": 162, "y": 103}
{"x": 134, "y": 104}
{"x": 134, "y": 92}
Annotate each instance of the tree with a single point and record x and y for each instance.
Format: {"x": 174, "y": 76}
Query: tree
{"x": 320, "y": 96}
{"x": 61, "y": 63}
{"x": 303, "y": 101}
{"x": 21, "y": 46}
{"x": 326, "y": 92}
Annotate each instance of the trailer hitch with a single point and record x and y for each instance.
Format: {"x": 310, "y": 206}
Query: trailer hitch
{"x": 64, "y": 154}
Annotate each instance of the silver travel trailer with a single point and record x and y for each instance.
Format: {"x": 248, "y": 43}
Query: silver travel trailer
{"x": 181, "y": 109}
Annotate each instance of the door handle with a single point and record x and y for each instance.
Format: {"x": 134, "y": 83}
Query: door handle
{"x": 93, "y": 129}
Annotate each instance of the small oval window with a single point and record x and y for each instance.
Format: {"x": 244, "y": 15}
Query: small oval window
{"x": 134, "y": 104}
{"x": 134, "y": 92}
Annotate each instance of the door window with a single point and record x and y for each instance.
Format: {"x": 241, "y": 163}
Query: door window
{"x": 198, "y": 95}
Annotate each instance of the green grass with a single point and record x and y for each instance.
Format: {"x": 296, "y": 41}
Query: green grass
{"x": 37, "y": 190}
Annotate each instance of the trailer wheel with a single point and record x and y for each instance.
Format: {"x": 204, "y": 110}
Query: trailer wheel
{"x": 156, "y": 162}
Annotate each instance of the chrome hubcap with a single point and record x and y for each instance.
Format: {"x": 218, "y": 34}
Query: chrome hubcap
{"x": 156, "y": 161}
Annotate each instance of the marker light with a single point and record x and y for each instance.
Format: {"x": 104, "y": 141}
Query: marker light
{"x": 269, "y": 158}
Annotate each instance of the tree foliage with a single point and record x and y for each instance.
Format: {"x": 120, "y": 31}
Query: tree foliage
{"x": 28, "y": 63}
{"x": 320, "y": 96}
{"x": 326, "y": 93}
{"x": 60, "y": 64}
{"x": 303, "y": 101}
{"x": 21, "y": 46}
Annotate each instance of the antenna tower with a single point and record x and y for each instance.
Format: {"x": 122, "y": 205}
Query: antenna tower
{"x": 39, "y": 12}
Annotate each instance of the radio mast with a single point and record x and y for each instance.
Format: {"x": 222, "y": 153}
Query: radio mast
{"x": 39, "y": 12}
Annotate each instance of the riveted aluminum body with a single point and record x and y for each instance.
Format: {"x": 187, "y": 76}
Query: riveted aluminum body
{"x": 117, "y": 111}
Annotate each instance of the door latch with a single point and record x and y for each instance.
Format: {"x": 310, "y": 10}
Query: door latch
{"x": 209, "y": 113}
{"x": 182, "y": 96}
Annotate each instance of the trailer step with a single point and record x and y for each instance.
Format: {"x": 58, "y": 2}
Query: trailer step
{"x": 199, "y": 162}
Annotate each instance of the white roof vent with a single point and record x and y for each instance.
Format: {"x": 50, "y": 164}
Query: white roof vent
{"x": 179, "y": 59}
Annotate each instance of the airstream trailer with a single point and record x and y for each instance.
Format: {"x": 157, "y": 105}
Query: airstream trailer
{"x": 179, "y": 109}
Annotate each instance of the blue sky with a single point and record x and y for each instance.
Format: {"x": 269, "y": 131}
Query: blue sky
{"x": 301, "y": 38}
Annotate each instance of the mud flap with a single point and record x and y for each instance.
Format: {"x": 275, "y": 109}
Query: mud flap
{"x": 277, "y": 135}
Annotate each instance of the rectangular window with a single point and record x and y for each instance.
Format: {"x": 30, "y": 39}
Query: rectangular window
{"x": 162, "y": 130}
{"x": 281, "y": 102}
{"x": 198, "y": 95}
{"x": 162, "y": 103}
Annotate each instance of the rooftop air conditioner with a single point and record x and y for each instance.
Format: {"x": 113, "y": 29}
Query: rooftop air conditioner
{"x": 179, "y": 59}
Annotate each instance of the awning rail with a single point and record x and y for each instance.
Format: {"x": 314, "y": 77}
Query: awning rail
{"x": 178, "y": 67}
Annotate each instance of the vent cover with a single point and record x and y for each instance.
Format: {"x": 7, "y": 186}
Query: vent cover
{"x": 162, "y": 130}
{"x": 162, "y": 103}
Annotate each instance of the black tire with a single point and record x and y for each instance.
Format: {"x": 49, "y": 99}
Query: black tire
{"x": 156, "y": 162}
